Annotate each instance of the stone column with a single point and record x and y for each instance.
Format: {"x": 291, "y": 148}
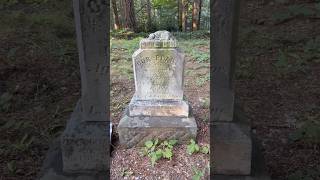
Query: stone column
{"x": 157, "y": 109}
{"x": 85, "y": 141}
{"x": 230, "y": 138}
{"x": 93, "y": 42}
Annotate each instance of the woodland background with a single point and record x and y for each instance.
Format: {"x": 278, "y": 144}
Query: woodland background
{"x": 152, "y": 15}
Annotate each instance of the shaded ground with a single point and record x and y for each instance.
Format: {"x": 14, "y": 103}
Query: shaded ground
{"x": 277, "y": 84}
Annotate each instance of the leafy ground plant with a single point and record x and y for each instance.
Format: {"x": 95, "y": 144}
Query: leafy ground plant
{"x": 126, "y": 172}
{"x": 193, "y": 147}
{"x": 156, "y": 151}
{"x": 197, "y": 174}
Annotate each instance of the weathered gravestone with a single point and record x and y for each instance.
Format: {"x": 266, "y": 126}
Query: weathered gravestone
{"x": 230, "y": 129}
{"x": 157, "y": 109}
{"x": 84, "y": 145}
{"x": 231, "y": 140}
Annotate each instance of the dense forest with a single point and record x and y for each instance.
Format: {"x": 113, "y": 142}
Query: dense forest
{"x": 151, "y": 15}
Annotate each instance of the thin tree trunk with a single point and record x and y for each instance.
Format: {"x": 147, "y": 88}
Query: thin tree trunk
{"x": 195, "y": 15}
{"x": 130, "y": 15}
{"x": 184, "y": 14}
{"x": 180, "y": 15}
{"x": 122, "y": 13}
{"x": 149, "y": 23}
{"x": 117, "y": 24}
{"x": 199, "y": 19}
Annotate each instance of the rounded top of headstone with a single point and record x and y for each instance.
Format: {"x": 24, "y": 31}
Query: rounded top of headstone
{"x": 159, "y": 39}
{"x": 161, "y": 35}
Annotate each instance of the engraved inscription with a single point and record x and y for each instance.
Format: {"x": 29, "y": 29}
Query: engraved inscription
{"x": 158, "y": 75}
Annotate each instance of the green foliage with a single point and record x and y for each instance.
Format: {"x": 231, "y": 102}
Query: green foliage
{"x": 4, "y": 3}
{"x": 192, "y": 147}
{"x": 12, "y": 167}
{"x": 156, "y": 151}
{"x": 205, "y": 103}
{"x": 295, "y": 65}
{"x": 245, "y": 68}
{"x": 5, "y": 102}
{"x": 200, "y": 56}
{"x": 126, "y": 173}
{"x": 291, "y": 61}
{"x": 308, "y": 126}
{"x": 205, "y": 149}
{"x": 197, "y": 174}
{"x": 293, "y": 11}
{"x": 201, "y": 80}
{"x": 15, "y": 125}
{"x": 24, "y": 143}
{"x": 312, "y": 49}
{"x": 309, "y": 132}
{"x": 306, "y": 174}
{"x": 8, "y": 3}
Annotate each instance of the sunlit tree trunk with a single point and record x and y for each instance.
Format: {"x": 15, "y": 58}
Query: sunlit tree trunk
{"x": 184, "y": 14}
{"x": 195, "y": 15}
{"x": 117, "y": 24}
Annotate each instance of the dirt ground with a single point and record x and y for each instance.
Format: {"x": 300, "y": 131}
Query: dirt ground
{"x": 277, "y": 86}
{"x": 182, "y": 165}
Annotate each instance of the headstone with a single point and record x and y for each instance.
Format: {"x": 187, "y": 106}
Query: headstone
{"x": 157, "y": 109}
{"x": 85, "y": 141}
{"x": 83, "y": 150}
{"x": 230, "y": 138}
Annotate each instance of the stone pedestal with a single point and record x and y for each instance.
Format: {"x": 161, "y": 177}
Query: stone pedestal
{"x": 85, "y": 145}
{"x": 135, "y": 130}
{"x": 157, "y": 109}
{"x": 232, "y": 148}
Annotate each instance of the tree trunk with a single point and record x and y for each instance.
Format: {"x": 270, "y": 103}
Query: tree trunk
{"x": 184, "y": 14}
{"x": 195, "y": 15}
{"x": 122, "y": 12}
{"x": 117, "y": 24}
{"x": 199, "y": 19}
{"x": 149, "y": 23}
{"x": 130, "y": 15}
{"x": 180, "y": 15}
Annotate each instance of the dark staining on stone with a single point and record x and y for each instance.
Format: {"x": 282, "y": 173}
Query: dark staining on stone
{"x": 94, "y": 6}
{"x": 91, "y": 109}
{"x": 219, "y": 69}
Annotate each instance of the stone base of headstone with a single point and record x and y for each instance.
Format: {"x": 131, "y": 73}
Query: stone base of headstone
{"x": 258, "y": 166}
{"x": 158, "y": 108}
{"x": 52, "y": 167}
{"x": 236, "y": 150}
{"x": 232, "y": 148}
{"x": 84, "y": 144}
{"x": 135, "y": 130}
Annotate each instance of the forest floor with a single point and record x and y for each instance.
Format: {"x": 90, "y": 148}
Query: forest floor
{"x": 277, "y": 86}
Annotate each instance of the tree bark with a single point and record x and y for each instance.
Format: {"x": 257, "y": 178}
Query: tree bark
{"x": 130, "y": 22}
{"x": 149, "y": 22}
{"x": 184, "y": 14}
{"x": 180, "y": 15}
{"x": 199, "y": 19}
{"x": 117, "y": 24}
{"x": 122, "y": 12}
{"x": 195, "y": 15}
